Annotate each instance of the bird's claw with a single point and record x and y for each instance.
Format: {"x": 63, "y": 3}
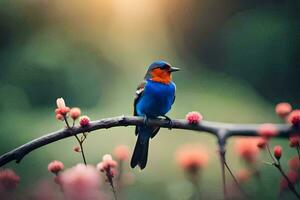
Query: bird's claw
{"x": 170, "y": 122}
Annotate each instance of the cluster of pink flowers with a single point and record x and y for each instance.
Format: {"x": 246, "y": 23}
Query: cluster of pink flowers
{"x": 285, "y": 111}
{"x": 194, "y": 117}
{"x": 191, "y": 158}
{"x": 8, "y": 179}
{"x": 63, "y": 112}
{"x": 80, "y": 182}
{"x": 108, "y": 166}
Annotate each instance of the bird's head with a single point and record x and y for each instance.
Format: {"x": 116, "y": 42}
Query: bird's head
{"x": 160, "y": 71}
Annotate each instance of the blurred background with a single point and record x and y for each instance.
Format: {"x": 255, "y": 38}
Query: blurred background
{"x": 238, "y": 59}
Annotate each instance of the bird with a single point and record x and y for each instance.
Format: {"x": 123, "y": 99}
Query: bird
{"x": 154, "y": 98}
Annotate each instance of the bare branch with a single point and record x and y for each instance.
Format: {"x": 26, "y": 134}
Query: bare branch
{"x": 205, "y": 126}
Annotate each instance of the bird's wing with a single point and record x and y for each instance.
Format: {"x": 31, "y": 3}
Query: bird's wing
{"x": 138, "y": 94}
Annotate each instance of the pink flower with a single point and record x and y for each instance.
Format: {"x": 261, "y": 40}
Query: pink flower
{"x": 294, "y": 163}
{"x": 59, "y": 116}
{"x": 107, "y": 164}
{"x": 283, "y": 109}
{"x": 108, "y": 167}
{"x": 194, "y": 117}
{"x": 294, "y": 140}
{"x": 294, "y": 118}
{"x": 122, "y": 153}
{"x": 80, "y": 182}
{"x": 84, "y": 121}
{"x": 243, "y": 175}
{"x": 293, "y": 177}
{"x": 191, "y": 158}
{"x": 277, "y": 152}
{"x": 61, "y": 109}
{"x": 76, "y": 149}
{"x": 267, "y": 131}
{"x": 247, "y": 148}
{"x": 262, "y": 143}
{"x": 55, "y": 167}
{"x": 8, "y": 179}
{"x": 75, "y": 113}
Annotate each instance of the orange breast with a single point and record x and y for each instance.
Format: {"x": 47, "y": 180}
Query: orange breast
{"x": 161, "y": 75}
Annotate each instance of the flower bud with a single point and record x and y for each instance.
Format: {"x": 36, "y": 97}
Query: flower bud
{"x": 283, "y": 109}
{"x": 75, "y": 113}
{"x": 60, "y": 102}
{"x": 84, "y": 121}
{"x": 277, "y": 152}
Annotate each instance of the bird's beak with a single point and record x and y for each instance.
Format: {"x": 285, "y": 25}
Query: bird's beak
{"x": 174, "y": 69}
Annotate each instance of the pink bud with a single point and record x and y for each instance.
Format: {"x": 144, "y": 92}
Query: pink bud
{"x": 294, "y": 140}
{"x": 75, "y": 113}
{"x": 277, "y": 152}
{"x": 84, "y": 121}
{"x": 76, "y": 149}
{"x": 55, "y": 166}
{"x": 59, "y": 117}
{"x": 283, "y": 109}
{"x": 294, "y": 118}
{"x": 194, "y": 117}
{"x": 262, "y": 143}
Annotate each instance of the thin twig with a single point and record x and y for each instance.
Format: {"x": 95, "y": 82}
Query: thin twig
{"x": 298, "y": 151}
{"x": 290, "y": 184}
{"x": 81, "y": 148}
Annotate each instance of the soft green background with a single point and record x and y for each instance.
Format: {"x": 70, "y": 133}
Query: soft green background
{"x": 238, "y": 59}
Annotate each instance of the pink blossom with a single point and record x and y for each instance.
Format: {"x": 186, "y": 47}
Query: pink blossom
{"x": 192, "y": 158}
{"x": 84, "y": 121}
{"x": 75, "y": 113}
{"x": 243, "y": 175}
{"x": 294, "y": 140}
{"x": 247, "y": 148}
{"x": 283, "y": 109}
{"x": 194, "y": 117}
{"x": 267, "y": 131}
{"x": 55, "y": 166}
{"x": 294, "y": 163}
{"x": 122, "y": 153}
{"x": 294, "y": 118}
{"x": 292, "y": 176}
{"x": 80, "y": 182}
{"x": 8, "y": 179}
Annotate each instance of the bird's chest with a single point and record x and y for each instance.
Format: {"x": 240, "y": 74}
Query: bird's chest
{"x": 157, "y": 99}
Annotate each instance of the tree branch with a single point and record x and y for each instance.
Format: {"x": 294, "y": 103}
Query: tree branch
{"x": 205, "y": 126}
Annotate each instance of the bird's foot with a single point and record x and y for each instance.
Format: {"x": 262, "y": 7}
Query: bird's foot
{"x": 170, "y": 122}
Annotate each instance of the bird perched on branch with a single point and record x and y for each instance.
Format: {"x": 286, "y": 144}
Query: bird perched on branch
{"x": 154, "y": 98}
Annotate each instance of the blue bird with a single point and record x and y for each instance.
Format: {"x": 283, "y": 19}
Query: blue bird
{"x": 154, "y": 98}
